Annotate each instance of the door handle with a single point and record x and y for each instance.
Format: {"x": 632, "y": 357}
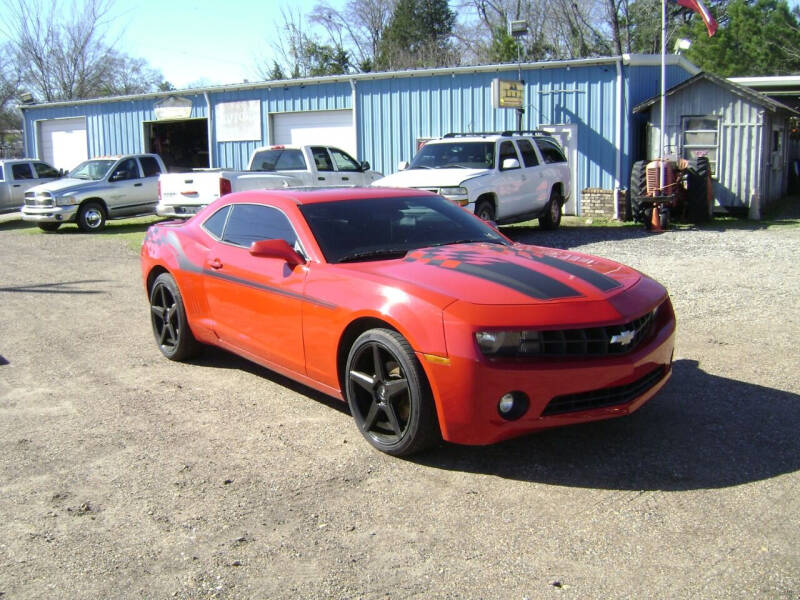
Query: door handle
{"x": 321, "y": 178}
{"x": 137, "y": 185}
{"x": 17, "y": 185}
{"x": 345, "y": 178}
{"x": 215, "y": 263}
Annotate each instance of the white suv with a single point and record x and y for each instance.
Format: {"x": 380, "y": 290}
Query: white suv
{"x": 502, "y": 177}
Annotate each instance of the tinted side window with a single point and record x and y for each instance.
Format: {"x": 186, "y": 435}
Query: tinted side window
{"x": 216, "y": 222}
{"x": 249, "y": 223}
{"x": 322, "y": 159}
{"x": 550, "y": 152}
{"x": 528, "y": 153}
{"x": 291, "y": 160}
{"x": 343, "y": 161}
{"x": 22, "y": 171}
{"x": 150, "y": 166}
{"x": 507, "y": 150}
{"x": 45, "y": 170}
{"x": 127, "y": 169}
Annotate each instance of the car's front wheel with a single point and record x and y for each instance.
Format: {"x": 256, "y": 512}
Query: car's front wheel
{"x": 91, "y": 217}
{"x": 485, "y": 210}
{"x": 168, "y": 316}
{"x": 388, "y": 395}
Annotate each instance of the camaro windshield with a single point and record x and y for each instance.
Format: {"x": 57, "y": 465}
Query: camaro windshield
{"x": 384, "y": 228}
{"x": 455, "y": 155}
{"x": 92, "y": 169}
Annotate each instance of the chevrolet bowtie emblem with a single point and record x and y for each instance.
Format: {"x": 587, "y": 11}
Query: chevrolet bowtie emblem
{"x": 623, "y": 338}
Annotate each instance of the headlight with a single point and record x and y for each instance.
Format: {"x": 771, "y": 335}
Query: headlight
{"x": 66, "y": 201}
{"x": 508, "y": 343}
{"x": 453, "y": 191}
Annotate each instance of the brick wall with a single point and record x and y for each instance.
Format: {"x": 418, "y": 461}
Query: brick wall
{"x": 597, "y": 202}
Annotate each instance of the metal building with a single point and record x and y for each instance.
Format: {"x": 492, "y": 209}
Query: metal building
{"x": 743, "y": 133}
{"x": 378, "y": 117}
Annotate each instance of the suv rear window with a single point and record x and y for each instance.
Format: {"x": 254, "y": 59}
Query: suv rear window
{"x": 550, "y": 152}
{"x": 528, "y": 153}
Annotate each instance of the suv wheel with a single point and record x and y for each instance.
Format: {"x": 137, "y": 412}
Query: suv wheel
{"x": 485, "y": 210}
{"x": 551, "y": 218}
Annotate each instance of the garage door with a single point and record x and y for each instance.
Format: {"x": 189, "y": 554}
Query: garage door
{"x": 329, "y": 127}
{"x": 62, "y": 142}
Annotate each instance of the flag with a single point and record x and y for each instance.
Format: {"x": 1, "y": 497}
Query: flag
{"x": 700, "y": 8}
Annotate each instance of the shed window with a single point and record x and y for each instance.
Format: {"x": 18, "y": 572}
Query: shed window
{"x": 701, "y": 138}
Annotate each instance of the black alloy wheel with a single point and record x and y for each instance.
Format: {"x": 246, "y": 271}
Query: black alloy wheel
{"x": 168, "y": 316}
{"x": 91, "y": 217}
{"x": 388, "y": 395}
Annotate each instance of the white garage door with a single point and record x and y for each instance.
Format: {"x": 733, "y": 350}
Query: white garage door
{"x": 62, "y": 142}
{"x": 328, "y": 127}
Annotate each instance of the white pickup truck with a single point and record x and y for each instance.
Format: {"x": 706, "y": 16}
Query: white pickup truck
{"x": 502, "y": 177}
{"x": 17, "y": 176}
{"x": 183, "y": 194}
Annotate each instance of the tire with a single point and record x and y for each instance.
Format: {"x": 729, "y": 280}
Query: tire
{"x": 388, "y": 394}
{"x": 49, "y": 227}
{"x": 91, "y": 217}
{"x": 168, "y": 317}
{"x": 551, "y": 218}
{"x": 485, "y": 210}
{"x": 699, "y": 192}
{"x": 638, "y": 188}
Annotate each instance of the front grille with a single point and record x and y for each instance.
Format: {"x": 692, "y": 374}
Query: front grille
{"x": 604, "y": 397}
{"x": 44, "y": 199}
{"x": 653, "y": 177}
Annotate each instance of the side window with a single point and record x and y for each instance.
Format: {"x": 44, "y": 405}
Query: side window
{"x": 249, "y": 223}
{"x": 550, "y": 152}
{"x": 215, "y": 224}
{"x": 150, "y": 166}
{"x": 2, "y": 175}
{"x": 291, "y": 160}
{"x": 507, "y": 150}
{"x": 321, "y": 158}
{"x": 528, "y": 153}
{"x": 44, "y": 170}
{"x": 127, "y": 169}
{"x": 22, "y": 171}
{"x": 343, "y": 161}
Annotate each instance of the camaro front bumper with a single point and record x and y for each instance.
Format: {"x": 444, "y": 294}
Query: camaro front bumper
{"x": 49, "y": 214}
{"x": 559, "y": 391}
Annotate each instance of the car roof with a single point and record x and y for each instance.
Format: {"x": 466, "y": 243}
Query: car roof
{"x": 452, "y": 138}
{"x": 317, "y": 195}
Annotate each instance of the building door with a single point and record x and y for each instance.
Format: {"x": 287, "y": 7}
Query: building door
{"x": 62, "y": 142}
{"x": 181, "y": 144}
{"x": 567, "y": 136}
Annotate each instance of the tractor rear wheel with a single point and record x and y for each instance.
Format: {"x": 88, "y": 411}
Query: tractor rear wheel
{"x": 699, "y": 196}
{"x": 638, "y": 188}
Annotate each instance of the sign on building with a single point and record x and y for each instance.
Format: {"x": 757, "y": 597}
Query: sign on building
{"x": 507, "y": 94}
{"x": 238, "y": 121}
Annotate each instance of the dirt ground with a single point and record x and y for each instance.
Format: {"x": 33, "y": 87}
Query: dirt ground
{"x": 125, "y": 475}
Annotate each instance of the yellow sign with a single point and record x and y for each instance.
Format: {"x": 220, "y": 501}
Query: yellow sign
{"x": 507, "y": 94}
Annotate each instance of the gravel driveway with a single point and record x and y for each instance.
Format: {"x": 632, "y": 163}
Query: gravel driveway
{"x": 124, "y": 475}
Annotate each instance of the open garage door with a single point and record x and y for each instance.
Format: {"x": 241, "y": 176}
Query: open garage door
{"x": 181, "y": 144}
{"x": 62, "y": 142}
{"x": 324, "y": 127}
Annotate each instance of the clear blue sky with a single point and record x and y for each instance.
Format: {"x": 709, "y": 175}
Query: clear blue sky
{"x": 191, "y": 40}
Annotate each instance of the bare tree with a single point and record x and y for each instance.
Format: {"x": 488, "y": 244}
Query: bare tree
{"x": 65, "y": 53}
{"x": 9, "y": 89}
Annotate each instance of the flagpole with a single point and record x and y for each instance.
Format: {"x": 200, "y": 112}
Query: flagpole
{"x": 663, "y": 90}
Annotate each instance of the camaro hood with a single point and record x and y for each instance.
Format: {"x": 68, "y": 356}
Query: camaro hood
{"x": 65, "y": 185}
{"x": 492, "y": 274}
{"x": 429, "y": 178}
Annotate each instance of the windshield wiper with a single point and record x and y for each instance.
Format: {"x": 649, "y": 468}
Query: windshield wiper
{"x": 383, "y": 253}
{"x": 468, "y": 241}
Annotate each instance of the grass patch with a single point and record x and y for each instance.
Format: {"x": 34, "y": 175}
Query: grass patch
{"x": 130, "y": 230}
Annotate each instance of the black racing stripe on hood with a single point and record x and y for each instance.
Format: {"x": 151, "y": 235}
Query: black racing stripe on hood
{"x": 520, "y": 279}
{"x": 598, "y": 280}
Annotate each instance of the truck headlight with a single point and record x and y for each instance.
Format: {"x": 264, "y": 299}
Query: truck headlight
{"x": 453, "y": 191}
{"x": 66, "y": 201}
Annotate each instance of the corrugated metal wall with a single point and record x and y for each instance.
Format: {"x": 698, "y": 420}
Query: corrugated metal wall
{"x": 739, "y": 154}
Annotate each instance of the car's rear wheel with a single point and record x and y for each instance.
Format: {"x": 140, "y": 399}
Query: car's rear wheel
{"x": 388, "y": 395}
{"x": 50, "y": 227}
{"x": 551, "y": 218}
{"x": 485, "y": 210}
{"x": 168, "y": 316}
{"x": 91, "y": 217}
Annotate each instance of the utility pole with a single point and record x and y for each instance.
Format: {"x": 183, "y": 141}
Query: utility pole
{"x": 516, "y": 29}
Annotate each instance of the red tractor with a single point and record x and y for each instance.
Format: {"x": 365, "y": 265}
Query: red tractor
{"x": 686, "y": 194}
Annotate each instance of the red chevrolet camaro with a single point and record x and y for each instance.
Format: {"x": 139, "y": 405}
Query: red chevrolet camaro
{"x": 429, "y": 322}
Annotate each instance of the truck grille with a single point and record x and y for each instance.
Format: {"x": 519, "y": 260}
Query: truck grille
{"x": 40, "y": 199}
{"x": 602, "y": 398}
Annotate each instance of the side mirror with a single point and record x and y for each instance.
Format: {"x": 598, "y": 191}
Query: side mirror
{"x": 364, "y": 165}
{"x": 118, "y": 176}
{"x": 402, "y": 165}
{"x": 277, "y": 249}
{"x": 509, "y": 163}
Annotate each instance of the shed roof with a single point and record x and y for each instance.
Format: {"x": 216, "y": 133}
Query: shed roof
{"x": 740, "y": 90}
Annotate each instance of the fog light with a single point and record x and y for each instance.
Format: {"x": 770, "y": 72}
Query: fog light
{"x": 513, "y": 405}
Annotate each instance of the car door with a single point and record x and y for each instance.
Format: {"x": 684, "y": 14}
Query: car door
{"x": 151, "y": 169}
{"x": 348, "y": 171}
{"x": 326, "y": 174}
{"x": 537, "y": 192}
{"x": 511, "y": 185}
{"x": 128, "y": 195}
{"x": 255, "y": 301}
{"x": 22, "y": 180}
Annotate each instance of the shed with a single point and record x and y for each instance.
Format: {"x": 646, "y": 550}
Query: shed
{"x": 742, "y": 132}
{"x": 378, "y": 117}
